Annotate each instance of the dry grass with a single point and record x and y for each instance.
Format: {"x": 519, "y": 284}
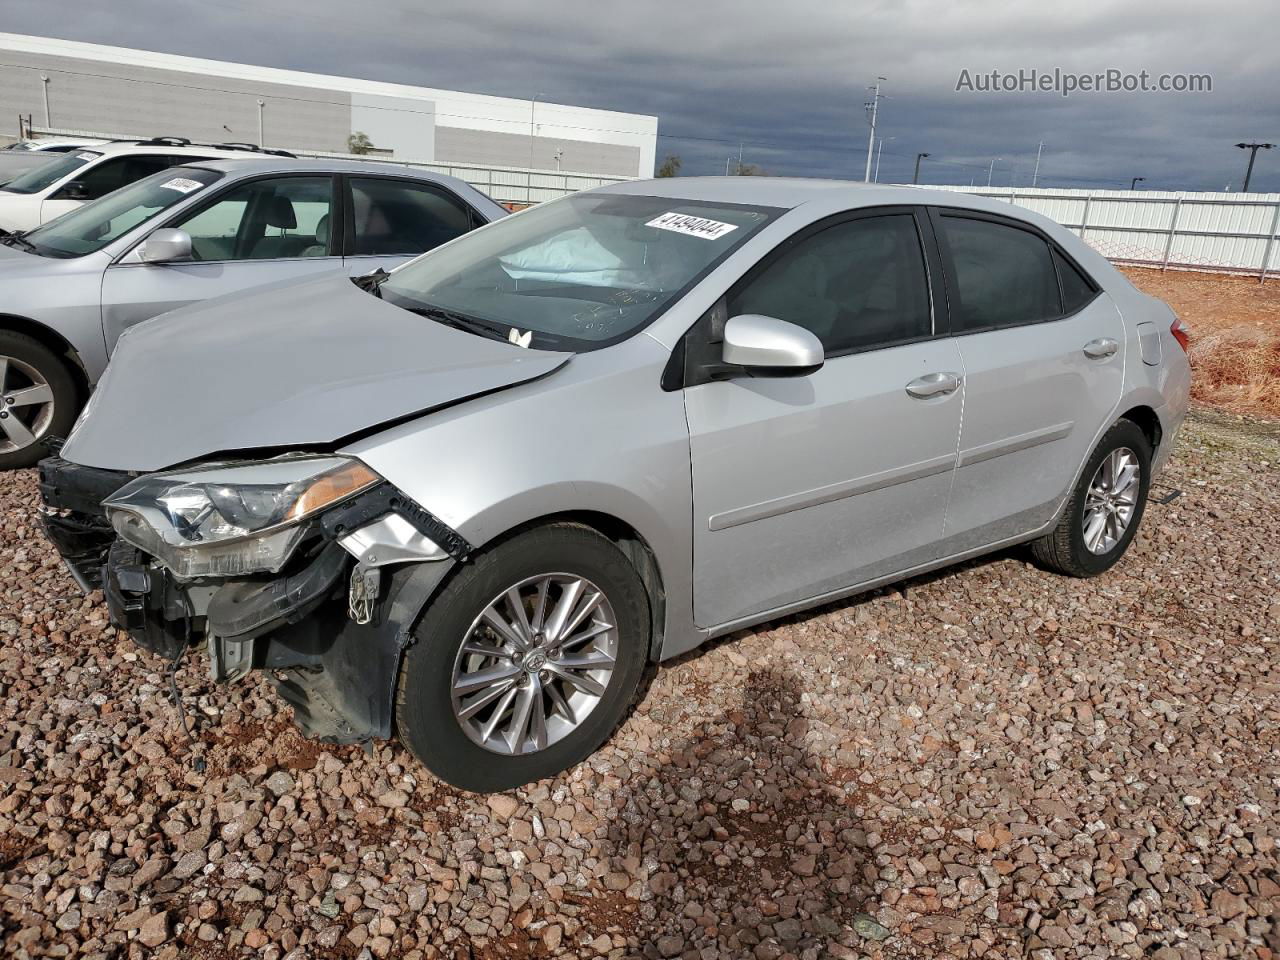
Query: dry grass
{"x": 1235, "y": 335}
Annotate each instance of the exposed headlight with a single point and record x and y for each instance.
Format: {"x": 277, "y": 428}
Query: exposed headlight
{"x": 225, "y": 521}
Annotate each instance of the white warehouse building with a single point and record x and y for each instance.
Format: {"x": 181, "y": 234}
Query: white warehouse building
{"x": 70, "y": 86}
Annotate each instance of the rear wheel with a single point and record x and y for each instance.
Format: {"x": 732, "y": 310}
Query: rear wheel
{"x": 526, "y": 661}
{"x": 38, "y": 399}
{"x": 1102, "y": 516}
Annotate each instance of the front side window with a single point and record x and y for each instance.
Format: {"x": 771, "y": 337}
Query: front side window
{"x": 96, "y": 224}
{"x": 111, "y": 175}
{"x": 33, "y": 181}
{"x": 403, "y": 217}
{"x": 576, "y": 273}
{"x": 1004, "y": 275}
{"x": 282, "y": 218}
{"x": 856, "y": 285}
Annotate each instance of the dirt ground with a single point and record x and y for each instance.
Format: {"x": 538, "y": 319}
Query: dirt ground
{"x": 989, "y": 762}
{"x": 1235, "y": 335}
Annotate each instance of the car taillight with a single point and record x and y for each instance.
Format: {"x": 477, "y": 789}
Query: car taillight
{"x": 1181, "y": 332}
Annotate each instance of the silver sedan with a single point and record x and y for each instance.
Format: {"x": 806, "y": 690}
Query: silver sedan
{"x": 472, "y": 500}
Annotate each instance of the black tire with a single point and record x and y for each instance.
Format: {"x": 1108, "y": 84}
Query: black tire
{"x": 425, "y": 717}
{"x": 66, "y": 397}
{"x": 1064, "y": 550}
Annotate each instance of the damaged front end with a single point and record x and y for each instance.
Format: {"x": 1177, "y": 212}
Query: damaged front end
{"x": 312, "y": 568}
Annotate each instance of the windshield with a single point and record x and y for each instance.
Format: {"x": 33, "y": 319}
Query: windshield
{"x": 36, "y": 180}
{"x": 97, "y": 223}
{"x": 578, "y": 273}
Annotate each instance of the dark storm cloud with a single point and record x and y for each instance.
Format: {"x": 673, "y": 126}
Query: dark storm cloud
{"x": 787, "y": 80}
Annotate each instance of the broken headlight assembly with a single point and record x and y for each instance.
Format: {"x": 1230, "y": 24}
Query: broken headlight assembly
{"x": 234, "y": 519}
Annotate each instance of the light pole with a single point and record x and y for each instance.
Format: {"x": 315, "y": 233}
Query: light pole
{"x": 1035, "y": 174}
{"x": 532, "y": 105}
{"x": 915, "y": 177}
{"x": 1253, "y": 149}
{"x": 1133, "y": 184}
{"x": 879, "y": 146}
{"x": 992, "y": 169}
{"x": 44, "y": 85}
{"x": 874, "y": 106}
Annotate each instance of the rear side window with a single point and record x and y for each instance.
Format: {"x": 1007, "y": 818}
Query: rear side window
{"x": 403, "y": 217}
{"x": 1077, "y": 290}
{"x": 857, "y": 285}
{"x": 1004, "y": 277}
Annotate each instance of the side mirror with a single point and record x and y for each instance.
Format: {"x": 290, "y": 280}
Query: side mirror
{"x": 767, "y": 346}
{"x": 166, "y": 246}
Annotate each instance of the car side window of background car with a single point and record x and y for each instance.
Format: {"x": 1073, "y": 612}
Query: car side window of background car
{"x": 1077, "y": 290}
{"x": 113, "y": 174}
{"x": 282, "y": 218}
{"x": 856, "y": 285}
{"x": 1004, "y": 276}
{"x": 401, "y": 216}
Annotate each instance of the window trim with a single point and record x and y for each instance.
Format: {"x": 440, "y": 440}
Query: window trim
{"x": 676, "y": 377}
{"x": 937, "y": 212}
{"x": 474, "y": 219}
{"x": 184, "y": 213}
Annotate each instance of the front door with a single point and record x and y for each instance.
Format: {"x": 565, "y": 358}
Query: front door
{"x": 262, "y": 231}
{"x": 1043, "y": 354}
{"x": 805, "y": 486}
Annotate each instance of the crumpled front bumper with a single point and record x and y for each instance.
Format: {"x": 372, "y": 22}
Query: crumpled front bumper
{"x": 337, "y": 674}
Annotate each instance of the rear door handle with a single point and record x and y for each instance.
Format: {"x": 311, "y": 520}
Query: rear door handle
{"x": 1101, "y": 348}
{"x": 933, "y": 385}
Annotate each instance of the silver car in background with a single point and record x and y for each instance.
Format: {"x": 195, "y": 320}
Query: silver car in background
{"x": 187, "y": 234}
{"x": 471, "y": 501}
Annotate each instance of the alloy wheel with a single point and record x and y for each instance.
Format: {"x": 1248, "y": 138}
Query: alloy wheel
{"x": 1111, "y": 500}
{"x": 26, "y": 405}
{"x": 534, "y": 663}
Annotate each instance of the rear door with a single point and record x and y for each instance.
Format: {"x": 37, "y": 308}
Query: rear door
{"x": 1042, "y": 348}
{"x": 392, "y": 219}
{"x": 254, "y": 232}
{"x": 804, "y": 486}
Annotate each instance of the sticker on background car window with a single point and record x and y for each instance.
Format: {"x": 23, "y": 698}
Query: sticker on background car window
{"x": 692, "y": 226}
{"x": 86, "y": 156}
{"x": 182, "y": 184}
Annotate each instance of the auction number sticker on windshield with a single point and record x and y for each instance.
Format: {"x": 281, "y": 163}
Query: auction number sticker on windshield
{"x": 87, "y": 156}
{"x": 182, "y": 184}
{"x": 692, "y": 226}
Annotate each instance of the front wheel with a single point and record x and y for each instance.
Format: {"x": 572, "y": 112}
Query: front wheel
{"x": 1102, "y": 516}
{"x": 526, "y": 661}
{"x": 38, "y": 399}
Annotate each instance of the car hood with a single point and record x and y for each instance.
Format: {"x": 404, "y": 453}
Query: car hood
{"x": 294, "y": 365}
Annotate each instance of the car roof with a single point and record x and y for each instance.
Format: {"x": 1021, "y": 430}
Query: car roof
{"x": 791, "y": 192}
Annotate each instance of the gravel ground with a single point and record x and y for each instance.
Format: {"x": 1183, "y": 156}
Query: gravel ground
{"x": 988, "y": 762}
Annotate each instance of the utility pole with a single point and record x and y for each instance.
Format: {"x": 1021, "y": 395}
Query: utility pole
{"x": 1133, "y": 184}
{"x": 915, "y": 178}
{"x": 1035, "y": 174}
{"x": 879, "y": 146}
{"x": 532, "y": 106}
{"x": 992, "y": 169}
{"x": 1253, "y": 149}
{"x": 44, "y": 85}
{"x": 739, "y": 171}
{"x": 874, "y": 107}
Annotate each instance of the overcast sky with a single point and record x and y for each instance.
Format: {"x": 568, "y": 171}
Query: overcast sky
{"x": 788, "y": 79}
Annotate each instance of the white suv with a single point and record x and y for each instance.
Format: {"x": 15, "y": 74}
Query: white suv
{"x": 56, "y": 187}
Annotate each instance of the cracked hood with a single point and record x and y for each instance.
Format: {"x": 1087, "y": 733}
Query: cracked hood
{"x": 290, "y": 365}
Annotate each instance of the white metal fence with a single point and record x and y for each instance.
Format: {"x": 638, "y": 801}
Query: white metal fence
{"x": 1223, "y": 232}
{"x": 516, "y": 185}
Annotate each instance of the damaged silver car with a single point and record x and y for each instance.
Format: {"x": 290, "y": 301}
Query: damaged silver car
{"x": 471, "y": 500}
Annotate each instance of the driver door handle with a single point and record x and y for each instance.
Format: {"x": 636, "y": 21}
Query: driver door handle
{"x": 1101, "y": 348}
{"x": 933, "y": 385}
